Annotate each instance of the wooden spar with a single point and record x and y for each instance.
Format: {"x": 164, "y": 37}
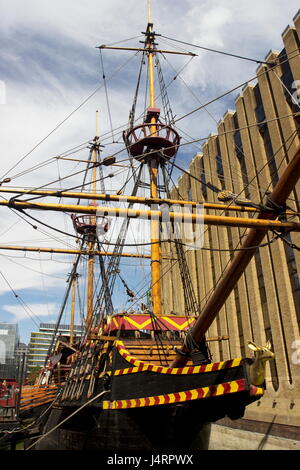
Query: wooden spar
{"x": 136, "y": 199}
{"x": 72, "y": 252}
{"x": 74, "y": 284}
{"x": 185, "y": 217}
{"x": 133, "y": 199}
{"x": 140, "y": 49}
{"x": 149, "y": 11}
{"x": 232, "y": 274}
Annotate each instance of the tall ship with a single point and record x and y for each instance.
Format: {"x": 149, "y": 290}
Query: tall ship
{"x": 139, "y": 378}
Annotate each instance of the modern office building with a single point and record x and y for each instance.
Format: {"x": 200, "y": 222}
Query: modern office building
{"x": 40, "y": 342}
{"x": 9, "y": 340}
{"x": 21, "y": 360}
{"x": 246, "y": 156}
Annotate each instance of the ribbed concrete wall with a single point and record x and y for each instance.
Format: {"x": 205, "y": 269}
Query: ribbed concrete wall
{"x": 246, "y": 156}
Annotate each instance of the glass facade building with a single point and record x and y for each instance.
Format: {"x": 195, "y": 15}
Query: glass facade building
{"x": 40, "y": 342}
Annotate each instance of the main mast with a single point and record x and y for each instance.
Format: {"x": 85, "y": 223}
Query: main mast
{"x": 153, "y": 171}
{"x": 158, "y": 142}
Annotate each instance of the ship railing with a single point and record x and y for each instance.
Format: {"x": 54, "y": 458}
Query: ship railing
{"x": 37, "y": 396}
{"x": 142, "y": 136}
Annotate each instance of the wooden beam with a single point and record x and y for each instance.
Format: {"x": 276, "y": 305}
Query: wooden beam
{"x": 135, "y": 199}
{"x": 260, "y": 223}
{"x": 70, "y": 251}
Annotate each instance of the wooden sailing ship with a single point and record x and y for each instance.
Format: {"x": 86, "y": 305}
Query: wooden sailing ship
{"x": 143, "y": 379}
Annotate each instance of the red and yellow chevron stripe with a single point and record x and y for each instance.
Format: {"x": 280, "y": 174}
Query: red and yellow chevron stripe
{"x": 140, "y": 366}
{"x": 179, "y": 397}
{"x": 145, "y": 322}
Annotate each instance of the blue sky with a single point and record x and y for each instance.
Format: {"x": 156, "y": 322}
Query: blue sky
{"x": 49, "y": 65}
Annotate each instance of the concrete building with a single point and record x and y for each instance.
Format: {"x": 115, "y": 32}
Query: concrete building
{"x": 41, "y": 340}
{"x": 9, "y": 340}
{"x": 253, "y": 144}
{"x": 21, "y": 360}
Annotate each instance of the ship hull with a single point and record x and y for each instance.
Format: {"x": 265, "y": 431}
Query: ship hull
{"x": 135, "y": 405}
{"x": 160, "y": 428}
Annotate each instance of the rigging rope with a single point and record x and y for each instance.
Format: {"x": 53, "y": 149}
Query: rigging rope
{"x": 66, "y": 118}
{"x": 21, "y": 302}
{"x": 114, "y": 262}
{"x": 67, "y": 418}
{"x": 232, "y": 90}
{"x": 106, "y": 95}
{"x": 191, "y": 112}
{"x": 64, "y": 302}
{"x": 219, "y": 52}
{"x": 191, "y": 304}
{"x": 133, "y": 108}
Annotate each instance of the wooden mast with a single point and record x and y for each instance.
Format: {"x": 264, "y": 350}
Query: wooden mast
{"x": 91, "y": 240}
{"x": 153, "y": 171}
{"x": 74, "y": 283}
{"x": 149, "y": 12}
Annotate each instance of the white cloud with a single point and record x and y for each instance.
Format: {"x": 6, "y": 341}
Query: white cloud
{"x": 206, "y": 26}
{"x": 25, "y": 272}
{"x": 31, "y": 311}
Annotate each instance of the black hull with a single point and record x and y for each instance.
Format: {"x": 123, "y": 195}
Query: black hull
{"x": 174, "y": 427}
{"x": 137, "y": 406}
{"x": 34, "y": 413}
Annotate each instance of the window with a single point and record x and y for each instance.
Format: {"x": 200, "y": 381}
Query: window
{"x": 293, "y": 272}
{"x": 259, "y": 110}
{"x": 219, "y": 164}
{"x": 203, "y": 185}
{"x": 287, "y": 76}
{"x": 264, "y": 131}
{"x": 238, "y": 144}
{"x": 288, "y": 81}
{"x": 237, "y": 137}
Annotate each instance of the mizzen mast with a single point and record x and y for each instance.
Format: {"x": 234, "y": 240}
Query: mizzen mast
{"x": 92, "y": 235}
{"x": 87, "y": 225}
